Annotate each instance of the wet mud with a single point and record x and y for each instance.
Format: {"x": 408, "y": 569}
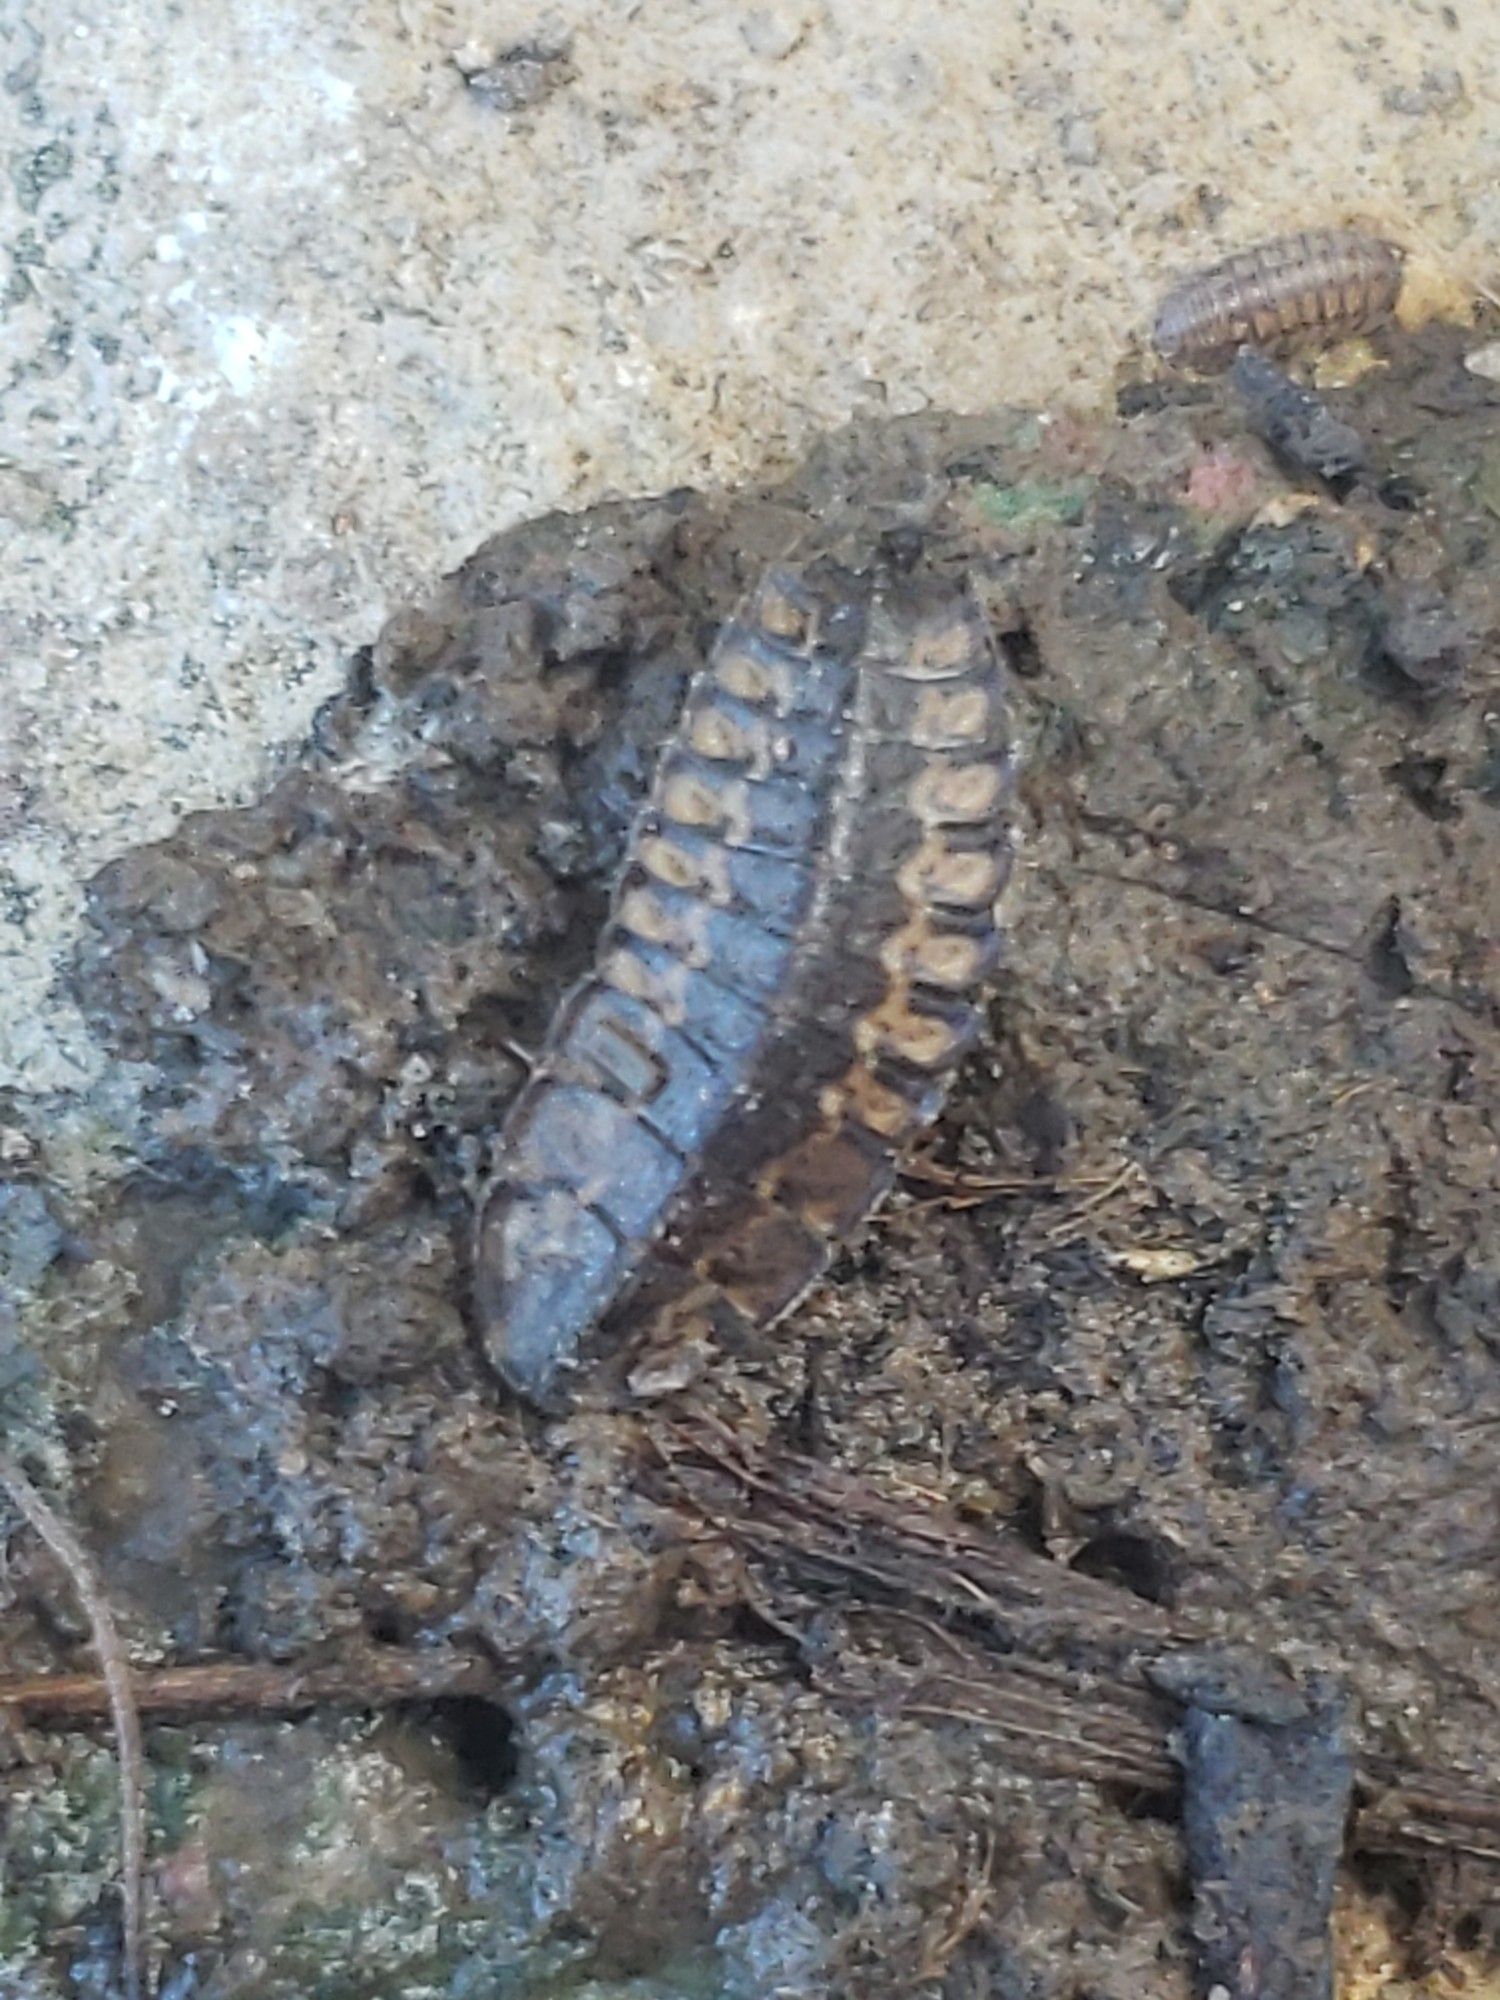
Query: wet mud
{"x": 1193, "y": 1291}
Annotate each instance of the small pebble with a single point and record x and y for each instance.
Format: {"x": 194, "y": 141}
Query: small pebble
{"x": 1080, "y": 142}
{"x": 772, "y": 32}
{"x": 517, "y": 78}
{"x": 1437, "y": 90}
{"x": 1297, "y": 425}
{"x": 1423, "y": 639}
{"x": 1485, "y": 361}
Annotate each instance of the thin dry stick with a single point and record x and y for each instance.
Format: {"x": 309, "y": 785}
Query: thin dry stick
{"x": 802, "y": 1517}
{"x": 254, "y": 1687}
{"x": 115, "y": 1669}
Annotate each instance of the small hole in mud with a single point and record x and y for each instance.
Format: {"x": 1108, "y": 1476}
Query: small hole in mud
{"x": 1133, "y": 1561}
{"x": 1396, "y": 1878}
{"x": 902, "y": 548}
{"x": 1422, "y": 779}
{"x": 1028, "y": 1518}
{"x": 1022, "y": 654}
{"x": 1160, "y": 1807}
{"x": 1385, "y": 960}
{"x": 481, "y": 1739}
{"x": 389, "y": 1627}
{"x": 1401, "y": 494}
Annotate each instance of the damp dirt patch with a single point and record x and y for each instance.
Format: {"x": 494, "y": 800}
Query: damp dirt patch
{"x": 1191, "y": 1302}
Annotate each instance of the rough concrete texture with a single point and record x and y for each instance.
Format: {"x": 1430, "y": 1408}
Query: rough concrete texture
{"x": 304, "y": 300}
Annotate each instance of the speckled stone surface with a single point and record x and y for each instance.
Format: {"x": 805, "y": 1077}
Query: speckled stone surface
{"x": 302, "y": 301}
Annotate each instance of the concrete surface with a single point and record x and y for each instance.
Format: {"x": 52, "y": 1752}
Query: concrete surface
{"x": 294, "y": 313}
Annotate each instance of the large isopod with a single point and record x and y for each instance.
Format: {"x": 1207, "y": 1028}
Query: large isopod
{"x": 789, "y": 978}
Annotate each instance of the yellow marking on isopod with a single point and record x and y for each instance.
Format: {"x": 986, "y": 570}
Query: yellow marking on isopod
{"x": 762, "y": 683}
{"x": 644, "y": 917}
{"x": 956, "y": 794}
{"x": 665, "y": 991}
{"x": 953, "y": 876}
{"x": 950, "y": 718}
{"x": 720, "y": 809}
{"x": 705, "y": 871}
{"x": 690, "y": 802}
{"x": 938, "y": 653}
{"x": 861, "y": 1095}
{"x": 775, "y": 612}
{"x": 936, "y": 957}
{"x": 679, "y": 930}
{"x": 895, "y": 1027}
{"x": 722, "y": 739}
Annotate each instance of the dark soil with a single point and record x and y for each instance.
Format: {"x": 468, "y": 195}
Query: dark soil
{"x": 1196, "y": 1290}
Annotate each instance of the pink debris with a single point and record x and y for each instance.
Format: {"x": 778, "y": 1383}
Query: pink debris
{"x": 1222, "y": 482}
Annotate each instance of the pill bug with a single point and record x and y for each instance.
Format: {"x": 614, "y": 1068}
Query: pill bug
{"x": 1317, "y": 284}
{"x": 781, "y": 995}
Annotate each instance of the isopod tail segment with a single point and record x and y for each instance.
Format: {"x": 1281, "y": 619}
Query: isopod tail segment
{"x": 1316, "y": 286}
{"x": 788, "y": 979}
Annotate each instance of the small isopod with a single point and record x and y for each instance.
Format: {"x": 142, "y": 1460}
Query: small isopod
{"x": 1317, "y": 284}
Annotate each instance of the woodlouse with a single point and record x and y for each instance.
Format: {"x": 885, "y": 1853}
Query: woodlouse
{"x": 1318, "y": 283}
{"x": 783, "y": 991}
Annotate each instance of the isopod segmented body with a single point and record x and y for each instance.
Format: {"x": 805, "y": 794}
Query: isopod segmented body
{"x": 1318, "y": 283}
{"x": 786, "y": 983}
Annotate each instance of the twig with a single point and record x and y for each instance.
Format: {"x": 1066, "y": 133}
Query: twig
{"x": 236, "y": 1687}
{"x": 801, "y": 1522}
{"x": 966, "y": 1190}
{"x": 973, "y": 1904}
{"x": 115, "y": 1673}
{"x": 1423, "y": 989}
{"x": 811, "y": 1514}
